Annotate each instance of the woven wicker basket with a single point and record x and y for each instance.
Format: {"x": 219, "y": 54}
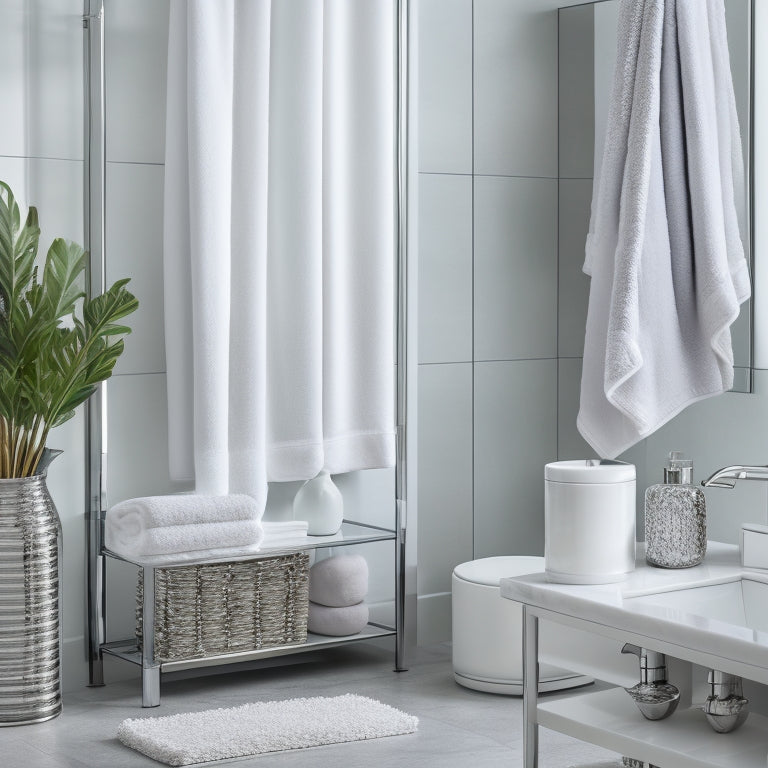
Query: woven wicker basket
{"x": 206, "y": 610}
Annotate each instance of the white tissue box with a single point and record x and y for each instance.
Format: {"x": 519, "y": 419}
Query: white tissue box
{"x": 754, "y": 546}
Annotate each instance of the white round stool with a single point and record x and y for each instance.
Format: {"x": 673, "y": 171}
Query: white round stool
{"x": 487, "y": 630}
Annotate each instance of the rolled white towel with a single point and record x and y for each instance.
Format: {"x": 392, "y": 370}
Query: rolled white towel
{"x": 159, "y": 525}
{"x": 339, "y": 581}
{"x": 337, "y": 622}
{"x": 182, "y": 509}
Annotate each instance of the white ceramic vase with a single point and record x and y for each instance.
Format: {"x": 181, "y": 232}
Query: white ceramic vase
{"x": 320, "y": 503}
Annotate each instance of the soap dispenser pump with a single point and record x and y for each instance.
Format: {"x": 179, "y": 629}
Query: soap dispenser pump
{"x": 654, "y": 696}
{"x": 675, "y": 518}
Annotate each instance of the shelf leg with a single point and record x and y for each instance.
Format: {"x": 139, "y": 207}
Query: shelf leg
{"x": 150, "y": 670}
{"x": 96, "y": 567}
{"x": 530, "y": 688}
{"x": 150, "y": 686}
{"x": 400, "y": 665}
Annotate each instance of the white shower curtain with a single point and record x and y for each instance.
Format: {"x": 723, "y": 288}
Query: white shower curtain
{"x": 279, "y": 240}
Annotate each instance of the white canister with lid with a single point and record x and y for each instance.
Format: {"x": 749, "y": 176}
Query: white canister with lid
{"x": 589, "y": 521}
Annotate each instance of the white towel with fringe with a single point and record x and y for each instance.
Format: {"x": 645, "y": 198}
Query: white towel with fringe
{"x": 664, "y": 249}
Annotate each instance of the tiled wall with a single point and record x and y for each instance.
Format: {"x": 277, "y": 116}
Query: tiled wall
{"x": 716, "y": 432}
{"x": 488, "y": 285}
{"x": 41, "y": 158}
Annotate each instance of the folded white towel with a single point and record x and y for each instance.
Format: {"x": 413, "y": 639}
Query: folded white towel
{"x": 285, "y": 527}
{"x": 194, "y": 538}
{"x": 665, "y": 285}
{"x": 337, "y": 622}
{"x": 163, "y": 525}
{"x": 284, "y": 534}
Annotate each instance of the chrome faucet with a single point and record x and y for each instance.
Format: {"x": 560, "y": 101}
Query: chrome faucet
{"x": 727, "y": 476}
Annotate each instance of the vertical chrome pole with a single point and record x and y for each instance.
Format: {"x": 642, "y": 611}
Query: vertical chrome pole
{"x": 96, "y": 422}
{"x": 530, "y": 688}
{"x": 401, "y": 479}
{"x": 150, "y": 669}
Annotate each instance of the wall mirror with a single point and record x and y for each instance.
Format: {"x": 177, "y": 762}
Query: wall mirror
{"x": 587, "y": 52}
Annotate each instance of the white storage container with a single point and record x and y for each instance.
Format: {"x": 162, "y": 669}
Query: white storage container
{"x": 589, "y": 521}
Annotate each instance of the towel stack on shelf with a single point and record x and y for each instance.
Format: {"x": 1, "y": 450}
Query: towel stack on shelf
{"x": 158, "y": 528}
{"x": 337, "y": 588}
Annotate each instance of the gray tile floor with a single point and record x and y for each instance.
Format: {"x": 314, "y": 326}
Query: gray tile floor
{"x": 458, "y": 728}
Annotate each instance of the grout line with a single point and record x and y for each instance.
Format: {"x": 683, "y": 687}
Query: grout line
{"x": 134, "y": 162}
{"x": 447, "y": 362}
{"x": 511, "y": 176}
{"x": 43, "y": 157}
{"x": 444, "y": 173}
{"x": 472, "y": 280}
{"x": 518, "y": 360}
{"x": 557, "y": 256}
{"x": 137, "y": 373}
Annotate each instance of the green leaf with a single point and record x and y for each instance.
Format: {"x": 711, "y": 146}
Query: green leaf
{"x": 56, "y": 344}
{"x": 64, "y": 271}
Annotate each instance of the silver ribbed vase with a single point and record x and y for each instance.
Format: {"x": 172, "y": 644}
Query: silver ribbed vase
{"x": 30, "y": 558}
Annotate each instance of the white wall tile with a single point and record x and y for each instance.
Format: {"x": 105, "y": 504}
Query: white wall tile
{"x": 433, "y": 619}
{"x": 369, "y": 496}
{"x": 55, "y": 187}
{"x": 576, "y": 78}
{"x": 135, "y": 249}
{"x": 445, "y": 268}
{"x": 515, "y": 436}
{"x": 570, "y": 443}
{"x": 715, "y": 433}
{"x": 760, "y": 160}
{"x": 136, "y": 51}
{"x": 515, "y": 268}
{"x": 606, "y": 24}
{"x": 573, "y": 293}
{"x": 445, "y": 473}
{"x": 137, "y": 441}
{"x": 41, "y": 90}
{"x": 445, "y": 86}
{"x": 515, "y": 95}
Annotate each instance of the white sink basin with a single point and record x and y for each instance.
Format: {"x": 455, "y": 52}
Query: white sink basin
{"x": 740, "y": 602}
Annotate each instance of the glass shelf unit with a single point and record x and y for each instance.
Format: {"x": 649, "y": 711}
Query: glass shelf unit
{"x": 351, "y": 533}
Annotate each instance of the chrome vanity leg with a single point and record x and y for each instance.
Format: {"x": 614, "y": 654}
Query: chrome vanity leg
{"x": 150, "y": 670}
{"x": 530, "y": 688}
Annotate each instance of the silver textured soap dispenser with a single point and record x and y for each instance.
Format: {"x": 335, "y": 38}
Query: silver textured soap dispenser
{"x": 675, "y": 518}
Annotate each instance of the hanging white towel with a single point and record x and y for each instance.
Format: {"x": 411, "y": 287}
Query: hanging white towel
{"x": 279, "y": 240}
{"x": 665, "y": 286}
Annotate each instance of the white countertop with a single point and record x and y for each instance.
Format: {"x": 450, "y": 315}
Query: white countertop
{"x": 605, "y": 604}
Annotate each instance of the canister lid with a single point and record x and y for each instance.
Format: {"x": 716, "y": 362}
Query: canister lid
{"x": 489, "y": 571}
{"x": 590, "y": 471}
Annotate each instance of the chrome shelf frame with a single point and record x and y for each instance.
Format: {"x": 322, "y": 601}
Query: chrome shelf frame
{"x": 96, "y": 428}
{"x": 128, "y": 650}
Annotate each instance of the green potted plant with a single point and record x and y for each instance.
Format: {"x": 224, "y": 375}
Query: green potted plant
{"x": 56, "y": 346}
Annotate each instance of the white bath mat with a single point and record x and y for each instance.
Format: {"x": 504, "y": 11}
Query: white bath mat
{"x": 269, "y": 726}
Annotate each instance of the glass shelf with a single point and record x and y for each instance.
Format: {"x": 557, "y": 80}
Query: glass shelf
{"x": 129, "y": 651}
{"x": 351, "y": 533}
